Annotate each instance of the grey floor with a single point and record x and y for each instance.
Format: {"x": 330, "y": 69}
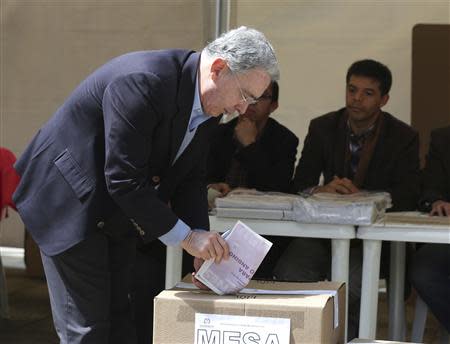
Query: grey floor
{"x": 30, "y": 319}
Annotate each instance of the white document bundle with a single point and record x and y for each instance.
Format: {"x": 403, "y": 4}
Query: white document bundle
{"x": 247, "y": 251}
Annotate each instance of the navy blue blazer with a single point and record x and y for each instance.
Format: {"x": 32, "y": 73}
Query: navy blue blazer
{"x": 95, "y": 163}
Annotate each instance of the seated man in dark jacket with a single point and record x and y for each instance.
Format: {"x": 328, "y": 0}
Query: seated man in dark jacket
{"x": 359, "y": 147}
{"x": 430, "y": 269}
{"x": 254, "y": 151}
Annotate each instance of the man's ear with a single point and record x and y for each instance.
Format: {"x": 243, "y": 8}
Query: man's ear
{"x": 273, "y": 106}
{"x": 218, "y": 67}
{"x": 384, "y": 100}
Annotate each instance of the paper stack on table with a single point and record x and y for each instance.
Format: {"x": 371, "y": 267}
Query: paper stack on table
{"x": 408, "y": 218}
{"x": 362, "y": 208}
{"x": 252, "y": 204}
{"x": 247, "y": 251}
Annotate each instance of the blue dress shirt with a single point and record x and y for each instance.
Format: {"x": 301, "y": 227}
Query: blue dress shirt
{"x": 180, "y": 231}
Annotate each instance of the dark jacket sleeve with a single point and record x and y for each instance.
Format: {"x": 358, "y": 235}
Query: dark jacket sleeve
{"x": 436, "y": 174}
{"x": 311, "y": 163}
{"x": 130, "y": 107}
{"x": 405, "y": 183}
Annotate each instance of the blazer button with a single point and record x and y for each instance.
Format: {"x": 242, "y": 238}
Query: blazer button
{"x": 100, "y": 224}
{"x": 156, "y": 179}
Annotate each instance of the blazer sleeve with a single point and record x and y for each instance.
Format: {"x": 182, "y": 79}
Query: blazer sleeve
{"x": 435, "y": 174}
{"x": 405, "y": 184}
{"x": 132, "y": 110}
{"x": 311, "y": 163}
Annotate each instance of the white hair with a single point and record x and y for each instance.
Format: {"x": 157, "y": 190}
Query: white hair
{"x": 244, "y": 49}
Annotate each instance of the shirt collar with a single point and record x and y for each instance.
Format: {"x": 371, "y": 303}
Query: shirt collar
{"x": 361, "y": 136}
{"x": 198, "y": 116}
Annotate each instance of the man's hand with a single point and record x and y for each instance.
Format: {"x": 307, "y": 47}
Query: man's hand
{"x": 206, "y": 245}
{"x": 245, "y": 131}
{"x": 440, "y": 208}
{"x": 198, "y": 262}
{"x": 222, "y": 188}
{"x": 338, "y": 185}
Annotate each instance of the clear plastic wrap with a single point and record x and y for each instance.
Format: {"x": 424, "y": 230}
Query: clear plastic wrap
{"x": 361, "y": 208}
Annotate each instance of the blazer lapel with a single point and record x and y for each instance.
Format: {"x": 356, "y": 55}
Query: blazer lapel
{"x": 340, "y": 145}
{"x": 184, "y": 103}
{"x": 380, "y": 151}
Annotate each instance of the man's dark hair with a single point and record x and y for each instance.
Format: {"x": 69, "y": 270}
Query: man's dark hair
{"x": 275, "y": 91}
{"x": 372, "y": 69}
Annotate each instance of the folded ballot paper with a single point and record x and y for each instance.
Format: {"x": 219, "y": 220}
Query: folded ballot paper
{"x": 362, "y": 208}
{"x": 247, "y": 251}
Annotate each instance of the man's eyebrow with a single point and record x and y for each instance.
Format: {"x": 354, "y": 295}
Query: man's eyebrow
{"x": 365, "y": 89}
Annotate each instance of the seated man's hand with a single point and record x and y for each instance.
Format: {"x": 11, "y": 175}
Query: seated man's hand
{"x": 245, "y": 131}
{"x": 206, "y": 245}
{"x": 198, "y": 262}
{"x": 440, "y": 208}
{"x": 222, "y": 188}
{"x": 338, "y": 185}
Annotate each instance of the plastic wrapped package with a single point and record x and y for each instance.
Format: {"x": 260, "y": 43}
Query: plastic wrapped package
{"x": 363, "y": 208}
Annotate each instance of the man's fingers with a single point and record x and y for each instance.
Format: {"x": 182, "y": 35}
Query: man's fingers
{"x": 349, "y": 185}
{"x": 198, "y": 262}
{"x": 206, "y": 245}
{"x": 211, "y": 251}
{"x": 446, "y": 210}
{"x": 226, "y": 248}
{"x": 342, "y": 189}
{"x": 218, "y": 250}
{"x": 221, "y": 248}
{"x": 212, "y": 246}
{"x": 436, "y": 210}
{"x": 197, "y": 283}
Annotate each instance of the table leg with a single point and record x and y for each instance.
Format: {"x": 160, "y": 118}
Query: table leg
{"x": 340, "y": 253}
{"x": 4, "y": 311}
{"x": 174, "y": 262}
{"x": 369, "y": 289}
{"x": 396, "y": 291}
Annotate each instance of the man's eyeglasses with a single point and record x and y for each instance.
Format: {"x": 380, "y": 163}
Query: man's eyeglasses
{"x": 246, "y": 99}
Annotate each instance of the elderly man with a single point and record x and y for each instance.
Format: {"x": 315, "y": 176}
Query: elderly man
{"x": 127, "y": 142}
{"x": 359, "y": 147}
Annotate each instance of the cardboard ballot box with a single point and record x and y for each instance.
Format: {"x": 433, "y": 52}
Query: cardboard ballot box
{"x": 257, "y": 316}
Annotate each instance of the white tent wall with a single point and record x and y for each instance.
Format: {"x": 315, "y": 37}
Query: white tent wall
{"x": 316, "y": 42}
{"x": 48, "y": 46}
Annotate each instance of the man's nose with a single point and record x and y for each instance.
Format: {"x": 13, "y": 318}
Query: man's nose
{"x": 358, "y": 96}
